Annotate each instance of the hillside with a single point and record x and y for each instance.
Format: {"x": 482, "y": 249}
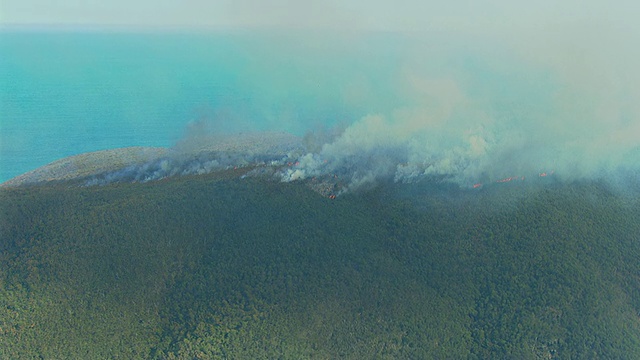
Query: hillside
{"x": 198, "y": 153}
{"x": 212, "y": 266}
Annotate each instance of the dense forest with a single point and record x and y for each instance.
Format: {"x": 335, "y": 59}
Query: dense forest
{"x": 211, "y": 266}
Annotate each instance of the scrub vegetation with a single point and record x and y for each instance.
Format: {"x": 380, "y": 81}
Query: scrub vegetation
{"x": 211, "y": 266}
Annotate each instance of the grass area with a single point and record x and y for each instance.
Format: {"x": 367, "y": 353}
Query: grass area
{"x": 216, "y": 267}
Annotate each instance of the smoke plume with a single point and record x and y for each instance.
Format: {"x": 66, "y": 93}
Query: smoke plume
{"x": 489, "y": 107}
{"x": 470, "y": 104}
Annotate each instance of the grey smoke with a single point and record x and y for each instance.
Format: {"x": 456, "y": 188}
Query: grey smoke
{"x": 468, "y": 104}
{"x": 494, "y": 105}
{"x": 201, "y": 151}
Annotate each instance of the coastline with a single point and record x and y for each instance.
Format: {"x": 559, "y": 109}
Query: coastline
{"x": 87, "y": 164}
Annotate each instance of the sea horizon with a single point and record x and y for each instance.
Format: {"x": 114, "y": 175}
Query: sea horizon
{"x": 69, "y": 91}
{"x": 465, "y": 106}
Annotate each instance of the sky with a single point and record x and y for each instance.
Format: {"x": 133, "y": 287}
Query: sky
{"x": 401, "y": 15}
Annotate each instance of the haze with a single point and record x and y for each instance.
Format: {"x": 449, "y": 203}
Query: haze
{"x": 465, "y": 90}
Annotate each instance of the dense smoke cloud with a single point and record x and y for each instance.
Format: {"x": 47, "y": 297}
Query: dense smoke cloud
{"x": 489, "y": 107}
{"x": 469, "y": 104}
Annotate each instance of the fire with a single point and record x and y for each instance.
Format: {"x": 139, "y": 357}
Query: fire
{"x": 507, "y": 179}
{"x": 512, "y": 178}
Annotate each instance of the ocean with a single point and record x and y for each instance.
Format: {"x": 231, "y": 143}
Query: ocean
{"x": 64, "y": 93}
{"x": 409, "y": 105}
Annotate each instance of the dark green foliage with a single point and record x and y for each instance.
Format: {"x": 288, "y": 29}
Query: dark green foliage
{"x": 215, "y": 267}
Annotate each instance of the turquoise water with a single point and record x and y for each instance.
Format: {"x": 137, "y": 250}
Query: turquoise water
{"x": 64, "y": 93}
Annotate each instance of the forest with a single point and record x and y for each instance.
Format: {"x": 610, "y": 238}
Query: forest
{"x": 217, "y": 267}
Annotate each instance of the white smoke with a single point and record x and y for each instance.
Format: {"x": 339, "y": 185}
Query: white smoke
{"x": 474, "y": 100}
{"x": 562, "y": 103}
{"x": 201, "y": 152}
